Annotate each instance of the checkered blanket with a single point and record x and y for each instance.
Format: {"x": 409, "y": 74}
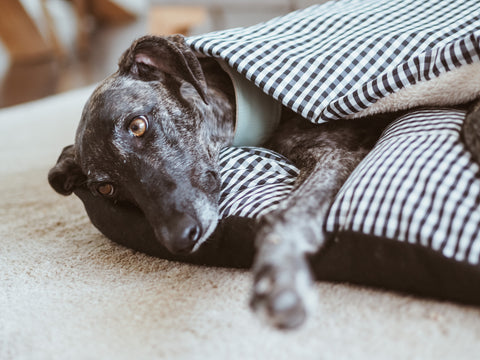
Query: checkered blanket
{"x": 350, "y": 58}
{"x": 334, "y": 60}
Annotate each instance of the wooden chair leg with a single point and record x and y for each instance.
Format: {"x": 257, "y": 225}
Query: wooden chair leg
{"x": 97, "y": 11}
{"x": 109, "y": 12}
{"x": 57, "y": 46}
{"x": 21, "y": 36}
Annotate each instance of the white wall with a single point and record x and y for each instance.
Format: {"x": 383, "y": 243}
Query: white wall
{"x": 234, "y": 13}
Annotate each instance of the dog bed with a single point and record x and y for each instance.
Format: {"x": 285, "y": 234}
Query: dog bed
{"x": 408, "y": 218}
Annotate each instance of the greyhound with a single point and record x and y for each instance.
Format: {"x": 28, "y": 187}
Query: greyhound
{"x": 150, "y": 136}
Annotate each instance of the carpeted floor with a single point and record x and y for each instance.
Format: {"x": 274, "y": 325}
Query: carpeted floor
{"x": 66, "y": 292}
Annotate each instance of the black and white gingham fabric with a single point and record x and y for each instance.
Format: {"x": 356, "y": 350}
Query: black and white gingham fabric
{"x": 333, "y": 60}
{"x": 419, "y": 186}
{"x": 254, "y": 181}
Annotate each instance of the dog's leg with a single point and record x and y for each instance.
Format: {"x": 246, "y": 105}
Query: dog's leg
{"x": 326, "y": 155}
{"x": 282, "y": 289}
{"x": 471, "y": 130}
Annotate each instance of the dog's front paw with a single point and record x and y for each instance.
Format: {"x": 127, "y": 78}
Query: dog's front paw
{"x": 282, "y": 292}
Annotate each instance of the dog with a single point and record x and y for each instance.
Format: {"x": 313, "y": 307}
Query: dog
{"x": 150, "y": 137}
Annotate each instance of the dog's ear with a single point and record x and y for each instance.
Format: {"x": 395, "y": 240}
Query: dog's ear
{"x": 66, "y": 175}
{"x": 150, "y": 55}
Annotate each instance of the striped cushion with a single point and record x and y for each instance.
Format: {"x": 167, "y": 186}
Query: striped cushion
{"x": 418, "y": 186}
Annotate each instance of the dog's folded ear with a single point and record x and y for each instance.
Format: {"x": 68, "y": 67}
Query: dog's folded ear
{"x": 66, "y": 175}
{"x": 150, "y": 55}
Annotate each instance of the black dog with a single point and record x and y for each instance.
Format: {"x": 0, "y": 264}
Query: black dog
{"x": 149, "y": 141}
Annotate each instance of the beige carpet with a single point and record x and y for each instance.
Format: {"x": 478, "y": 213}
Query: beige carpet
{"x": 66, "y": 292}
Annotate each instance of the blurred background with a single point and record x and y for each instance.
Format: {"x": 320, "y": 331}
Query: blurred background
{"x": 51, "y": 46}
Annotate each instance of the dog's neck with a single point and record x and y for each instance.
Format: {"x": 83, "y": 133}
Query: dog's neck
{"x": 257, "y": 115}
{"x": 254, "y": 114}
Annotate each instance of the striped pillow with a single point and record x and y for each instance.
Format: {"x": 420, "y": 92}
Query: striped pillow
{"x": 418, "y": 186}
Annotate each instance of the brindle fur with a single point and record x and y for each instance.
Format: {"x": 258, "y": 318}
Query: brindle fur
{"x": 171, "y": 173}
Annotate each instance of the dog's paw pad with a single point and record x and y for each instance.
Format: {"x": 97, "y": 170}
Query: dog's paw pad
{"x": 279, "y": 296}
{"x": 287, "y": 310}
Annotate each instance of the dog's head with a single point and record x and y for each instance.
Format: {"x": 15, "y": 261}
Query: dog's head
{"x": 148, "y": 137}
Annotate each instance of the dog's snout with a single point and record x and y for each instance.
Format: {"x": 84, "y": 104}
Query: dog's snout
{"x": 185, "y": 232}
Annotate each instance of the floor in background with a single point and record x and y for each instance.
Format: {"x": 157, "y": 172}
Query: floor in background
{"x": 26, "y": 82}
{"x": 21, "y": 83}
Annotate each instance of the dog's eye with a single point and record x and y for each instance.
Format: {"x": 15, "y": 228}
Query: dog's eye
{"x": 138, "y": 126}
{"x": 106, "y": 189}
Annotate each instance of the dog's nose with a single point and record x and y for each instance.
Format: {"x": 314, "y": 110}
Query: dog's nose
{"x": 185, "y": 233}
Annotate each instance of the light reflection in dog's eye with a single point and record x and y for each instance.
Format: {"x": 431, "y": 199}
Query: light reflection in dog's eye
{"x": 138, "y": 126}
